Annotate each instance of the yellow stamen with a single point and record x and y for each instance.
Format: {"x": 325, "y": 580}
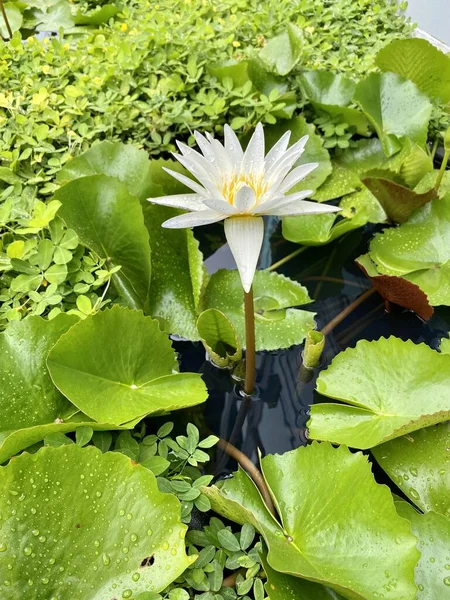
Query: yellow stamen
{"x": 231, "y": 185}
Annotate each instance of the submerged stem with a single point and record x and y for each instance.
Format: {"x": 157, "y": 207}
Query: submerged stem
{"x": 287, "y": 258}
{"x": 253, "y": 471}
{"x": 250, "y": 352}
{"x": 5, "y": 18}
{"x": 350, "y": 308}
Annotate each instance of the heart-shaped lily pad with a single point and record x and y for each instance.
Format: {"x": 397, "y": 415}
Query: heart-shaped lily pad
{"x": 418, "y": 250}
{"x": 277, "y": 325}
{"x": 419, "y": 463}
{"x": 117, "y": 366}
{"x": 109, "y": 221}
{"x": 390, "y": 387}
{"x": 80, "y": 524}
{"x": 357, "y": 210}
{"x": 123, "y": 161}
{"x": 281, "y": 586}
{"x": 178, "y": 274}
{"x": 27, "y": 395}
{"x": 419, "y": 61}
{"x": 336, "y": 525}
{"x": 432, "y": 574}
{"x": 395, "y": 107}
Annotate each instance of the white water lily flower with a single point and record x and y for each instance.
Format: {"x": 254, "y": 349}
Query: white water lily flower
{"x": 239, "y": 187}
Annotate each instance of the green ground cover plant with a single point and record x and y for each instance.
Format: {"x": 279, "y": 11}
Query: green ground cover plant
{"x": 107, "y": 487}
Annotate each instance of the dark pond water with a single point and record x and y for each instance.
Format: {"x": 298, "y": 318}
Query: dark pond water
{"x": 275, "y": 421}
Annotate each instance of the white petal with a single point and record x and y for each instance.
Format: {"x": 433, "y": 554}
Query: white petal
{"x": 245, "y": 236}
{"x": 185, "y": 201}
{"x": 244, "y": 199}
{"x": 204, "y": 145}
{"x": 204, "y": 217}
{"x": 285, "y": 163}
{"x": 205, "y": 177}
{"x": 233, "y": 146}
{"x": 197, "y": 159}
{"x": 296, "y": 175}
{"x": 303, "y": 207}
{"x": 280, "y": 201}
{"x": 187, "y": 181}
{"x": 253, "y": 161}
{"x": 220, "y": 206}
{"x": 277, "y": 150}
{"x": 222, "y": 157}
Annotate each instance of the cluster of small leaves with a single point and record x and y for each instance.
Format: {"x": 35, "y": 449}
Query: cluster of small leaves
{"x": 177, "y": 462}
{"x": 335, "y": 133}
{"x": 43, "y": 269}
{"x": 223, "y": 556}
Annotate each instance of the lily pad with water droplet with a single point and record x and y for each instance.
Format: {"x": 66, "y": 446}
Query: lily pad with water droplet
{"x": 80, "y": 524}
{"x": 386, "y": 389}
{"x": 281, "y": 586}
{"x": 336, "y": 525}
{"x": 277, "y": 324}
{"x": 117, "y": 366}
{"x": 178, "y": 274}
{"x": 395, "y": 107}
{"x": 28, "y": 396}
{"x": 109, "y": 221}
{"x": 419, "y": 463}
{"x": 122, "y": 161}
{"x": 432, "y": 574}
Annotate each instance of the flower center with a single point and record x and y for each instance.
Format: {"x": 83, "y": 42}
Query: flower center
{"x": 231, "y": 185}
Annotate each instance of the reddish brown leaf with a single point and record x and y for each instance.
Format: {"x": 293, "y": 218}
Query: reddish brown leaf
{"x": 402, "y": 292}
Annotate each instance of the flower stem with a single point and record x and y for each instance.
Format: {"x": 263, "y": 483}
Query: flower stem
{"x": 287, "y": 258}
{"x": 250, "y": 353}
{"x": 5, "y": 17}
{"x": 442, "y": 170}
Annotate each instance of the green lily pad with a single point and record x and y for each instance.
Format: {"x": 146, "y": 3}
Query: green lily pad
{"x": 333, "y": 93}
{"x": 390, "y": 387}
{"x": 277, "y": 324}
{"x": 27, "y": 395}
{"x": 178, "y": 274}
{"x": 13, "y": 442}
{"x": 314, "y": 150}
{"x": 15, "y": 19}
{"x": 117, "y": 366}
{"x": 395, "y": 107}
{"x": 419, "y": 61}
{"x": 358, "y": 209}
{"x": 122, "y": 161}
{"x": 109, "y": 221}
{"x": 418, "y": 250}
{"x": 331, "y": 512}
{"x": 282, "y": 53}
{"x": 423, "y": 242}
{"x": 350, "y": 164}
{"x": 96, "y": 17}
{"x": 84, "y": 524}
{"x": 219, "y": 337}
{"x": 419, "y": 464}
{"x": 432, "y": 574}
{"x": 281, "y": 586}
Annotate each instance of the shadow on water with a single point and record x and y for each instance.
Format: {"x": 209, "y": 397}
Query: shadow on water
{"x": 275, "y": 420}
